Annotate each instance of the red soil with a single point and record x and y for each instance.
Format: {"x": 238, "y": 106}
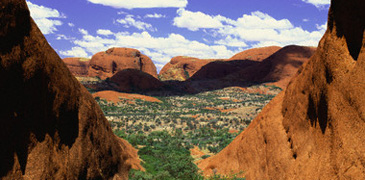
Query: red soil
{"x": 117, "y": 96}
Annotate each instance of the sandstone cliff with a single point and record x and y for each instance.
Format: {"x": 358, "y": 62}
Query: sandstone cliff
{"x": 78, "y": 66}
{"x": 315, "y": 129}
{"x": 51, "y": 127}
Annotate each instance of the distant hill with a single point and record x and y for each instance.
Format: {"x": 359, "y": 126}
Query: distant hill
{"x": 276, "y": 69}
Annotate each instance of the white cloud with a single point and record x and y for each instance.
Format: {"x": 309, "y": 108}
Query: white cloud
{"x": 256, "y": 20}
{"x": 63, "y": 37}
{"x": 75, "y": 52}
{"x": 104, "y": 32}
{"x": 71, "y": 24}
{"x": 232, "y": 42}
{"x": 257, "y": 28}
{"x": 83, "y": 31}
{"x": 159, "y": 66}
{"x": 159, "y": 49}
{"x": 155, "y": 15}
{"x": 131, "y": 4}
{"x": 195, "y": 20}
{"x": 45, "y": 17}
{"x": 259, "y": 20}
{"x": 318, "y": 3}
{"x": 129, "y": 21}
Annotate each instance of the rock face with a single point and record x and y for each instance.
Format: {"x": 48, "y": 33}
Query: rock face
{"x": 315, "y": 129}
{"x": 277, "y": 68}
{"x": 51, "y": 127}
{"x": 256, "y": 54}
{"x": 106, "y": 64}
{"x": 181, "y": 68}
{"x": 78, "y": 66}
{"x": 131, "y": 80}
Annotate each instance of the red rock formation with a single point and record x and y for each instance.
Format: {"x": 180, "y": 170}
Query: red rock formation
{"x": 180, "y": 68}
{"x": 279, "y": 68}
{"x": 256, "y": 54}
{"x": 315, "y": 129}
{"x": 131, "y": 80}
{"x": 78, "y": 66}
{"x": 106, "y": 64}
{"x": 51, "y": 127}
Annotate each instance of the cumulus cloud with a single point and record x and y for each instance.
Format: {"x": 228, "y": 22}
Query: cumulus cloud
{"x": 46, "y": 18}
{"x": 259, "y": 20}
{"x": 257, "y": 28}
{"x": 129, "y": 21}
{"x": 232, "y": 42}
{"x": 132, "y": 4}
{"x": 160, "y": 49}
{"x": 75, "y": 52}
{"x": 318, "y": 3}
{"x": 104, "y": 32}
{"x": 83, "y": 31}
{"x": 155, "y": 15}
{"x": 195, "y": 20}
{"x": 64, "y": 37}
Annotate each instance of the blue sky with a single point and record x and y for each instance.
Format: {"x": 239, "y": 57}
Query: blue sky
{"x": 162, "y": 29}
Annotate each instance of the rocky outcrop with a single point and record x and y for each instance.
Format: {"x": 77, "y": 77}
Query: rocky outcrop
{"x": 277, "y": 68}
{"x": 51, "y": 127}
{"x": 256, "y": 54}
{"x": 78, "y": 66}
{"x": 131, "y": 80}
{"x": 181, "y": 68}
{"x": 315, "y": 129}
{"x": 108, "y": 63}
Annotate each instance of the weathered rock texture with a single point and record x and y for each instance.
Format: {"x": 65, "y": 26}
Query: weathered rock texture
{"x": 78, "y": 66}
{"x": 51, "y": 127}
{"x": 315, "y": 129}
{"x": 131, "y": 80}
{"x": 181, "y": 68}
{"x": 106, "y": 64}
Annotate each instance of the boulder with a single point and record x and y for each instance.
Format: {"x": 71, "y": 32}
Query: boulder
{"x": 106, "y": 64}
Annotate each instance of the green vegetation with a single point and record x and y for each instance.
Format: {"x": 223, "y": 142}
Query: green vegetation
{"x": 164, "y": 132}
{"x": 230, "y": 108}
{"x": 165, "y": 156}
